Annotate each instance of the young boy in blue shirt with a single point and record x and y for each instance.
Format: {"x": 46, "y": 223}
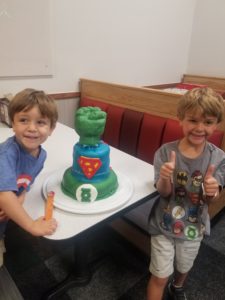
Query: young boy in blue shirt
{"x": 33, "y": 117}
{"x": 188, "y": 174}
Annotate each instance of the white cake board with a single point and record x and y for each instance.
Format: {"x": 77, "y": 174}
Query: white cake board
{"x": 66, "y": 203}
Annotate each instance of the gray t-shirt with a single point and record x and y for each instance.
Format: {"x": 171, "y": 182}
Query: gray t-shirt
{"x": 184, "y": 214}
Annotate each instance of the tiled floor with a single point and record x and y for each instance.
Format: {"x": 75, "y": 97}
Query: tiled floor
{"x": 37, "y": 264}
{"x": 8, "y": 288}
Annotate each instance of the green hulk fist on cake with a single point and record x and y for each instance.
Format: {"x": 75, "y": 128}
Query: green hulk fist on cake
{"x": 90, "y": 124}
{"x": 90, "y": 178}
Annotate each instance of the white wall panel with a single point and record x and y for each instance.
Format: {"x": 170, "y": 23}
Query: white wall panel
{"x": 132, "y": 42}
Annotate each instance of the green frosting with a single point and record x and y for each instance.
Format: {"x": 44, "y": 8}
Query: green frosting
{"x": 105, "y": 188}
{"x": 90, "y": 124}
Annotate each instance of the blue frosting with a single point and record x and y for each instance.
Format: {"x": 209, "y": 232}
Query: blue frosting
{"x": 100, "y": 151}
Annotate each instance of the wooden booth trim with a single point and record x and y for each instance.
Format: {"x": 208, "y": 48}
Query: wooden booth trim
{"x": 141, "y": 99}
{"x": 64, "y": 96}
{"x": 216, "y": 83}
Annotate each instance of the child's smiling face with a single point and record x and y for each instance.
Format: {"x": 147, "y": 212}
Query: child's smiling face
{"x": 31, "y": 129}
{"x": 197, "y": 128}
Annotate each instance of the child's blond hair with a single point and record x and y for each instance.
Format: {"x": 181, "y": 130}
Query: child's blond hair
{"x": 204, "y": 100}
{"x": 28, "y": 98}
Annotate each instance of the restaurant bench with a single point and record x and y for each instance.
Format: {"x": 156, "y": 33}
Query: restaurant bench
{"x": 138, "y": 133}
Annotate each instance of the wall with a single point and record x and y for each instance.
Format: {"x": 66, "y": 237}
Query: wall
{"x": 137, "y": 42}
{"x": 66, "y": 109}
{"x": 23, "y": 36}
{"x": 207, "y": 46}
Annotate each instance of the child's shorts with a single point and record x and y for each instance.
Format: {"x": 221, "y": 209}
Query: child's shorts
{"x": 2, "y": 251}
{"x": 168, "y": 252}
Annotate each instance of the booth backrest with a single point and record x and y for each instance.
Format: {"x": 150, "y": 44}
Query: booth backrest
{"x": 137, "y": 133}
{"x": 139, "y": 121}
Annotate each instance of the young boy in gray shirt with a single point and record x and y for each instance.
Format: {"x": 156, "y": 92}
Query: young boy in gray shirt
{"x": 188, "y": 174}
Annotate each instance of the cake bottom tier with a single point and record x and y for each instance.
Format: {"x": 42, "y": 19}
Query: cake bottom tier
{"x": 88, "y": 192}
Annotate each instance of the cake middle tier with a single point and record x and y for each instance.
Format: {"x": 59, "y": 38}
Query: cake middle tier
{"x": 91, "y": 162}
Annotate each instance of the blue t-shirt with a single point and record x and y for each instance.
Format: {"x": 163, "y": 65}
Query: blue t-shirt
{"x": 18, "y": 168}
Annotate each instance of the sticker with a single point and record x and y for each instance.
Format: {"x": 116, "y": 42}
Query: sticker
{"x": 24, "y": 181}
{"x": 193, "y": 214}
{"x": 202, "y": 229}
{"x": 167, "y": 219}
{"x": 86, "y": 193}
{"x": 182, "y": 178}
{"x": 196, "y": 178}
{"x": 194, "y": 197}
{"x": 178, "y": 227}
{"x": 178, "y": 212}
{"x": 166, "y": 223}
{"x": 180, "y": 194}
{"x": 191, "y": 232}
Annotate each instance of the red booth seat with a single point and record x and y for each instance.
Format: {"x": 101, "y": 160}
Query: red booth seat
{"x": 139, "y": 134}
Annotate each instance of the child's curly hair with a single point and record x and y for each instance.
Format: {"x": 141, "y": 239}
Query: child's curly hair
{"x": 28, "y": 98}
{"x": 205, "y": 100}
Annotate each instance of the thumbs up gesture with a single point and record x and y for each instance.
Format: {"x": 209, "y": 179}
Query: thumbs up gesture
{"x": 167, "y": 168}
{"x": 210, "y": 184}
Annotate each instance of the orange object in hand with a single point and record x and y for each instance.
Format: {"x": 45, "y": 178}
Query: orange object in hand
{"x": 49, "y": 205}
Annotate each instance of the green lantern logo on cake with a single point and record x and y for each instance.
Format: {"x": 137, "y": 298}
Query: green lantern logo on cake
{"x": 90, "y": 178}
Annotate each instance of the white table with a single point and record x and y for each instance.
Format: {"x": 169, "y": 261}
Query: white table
{"x": 59, "y": 147}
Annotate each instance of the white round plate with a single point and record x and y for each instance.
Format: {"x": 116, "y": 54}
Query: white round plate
{"x": 66, "y": 203}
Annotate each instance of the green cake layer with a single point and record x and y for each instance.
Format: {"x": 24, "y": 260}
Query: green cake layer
{"x": 89, "y": 191}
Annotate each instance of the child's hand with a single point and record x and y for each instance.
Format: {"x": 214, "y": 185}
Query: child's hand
{"x": 211, "y": 186}
{"x": 167, "y": 168}
{"x": 42, "y": 227}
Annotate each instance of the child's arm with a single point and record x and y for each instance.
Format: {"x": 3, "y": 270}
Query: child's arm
{"x": 14, "y": 210}
{"x": 3, "y": 216}
{"x": 21, "y": 197}
{"x": 164, "y": 183}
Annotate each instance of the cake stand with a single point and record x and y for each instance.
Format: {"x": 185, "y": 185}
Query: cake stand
{"x": 66, "y": 203}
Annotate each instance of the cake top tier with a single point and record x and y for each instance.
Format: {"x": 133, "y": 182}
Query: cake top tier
{"x": 89, "y": 124}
